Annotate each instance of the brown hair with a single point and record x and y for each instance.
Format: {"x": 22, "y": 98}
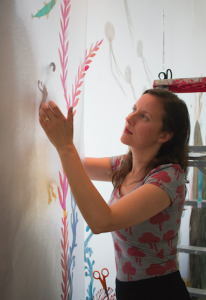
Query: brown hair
{"x": 176, "y": 120}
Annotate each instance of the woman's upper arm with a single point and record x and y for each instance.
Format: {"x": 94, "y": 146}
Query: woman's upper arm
{"x": 98, "y": 168}
{"x": 137, "y": 207}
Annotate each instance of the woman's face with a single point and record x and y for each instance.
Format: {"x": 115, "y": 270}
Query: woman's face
{"x": 143, "y": 125}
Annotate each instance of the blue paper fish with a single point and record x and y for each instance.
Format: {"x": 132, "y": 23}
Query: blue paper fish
{"x": 45, "y": 10}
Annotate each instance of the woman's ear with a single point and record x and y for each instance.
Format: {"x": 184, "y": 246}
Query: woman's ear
{"x": 164, "y": 137}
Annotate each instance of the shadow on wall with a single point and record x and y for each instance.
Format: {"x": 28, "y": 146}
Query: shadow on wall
{"x": 24, "y": 258}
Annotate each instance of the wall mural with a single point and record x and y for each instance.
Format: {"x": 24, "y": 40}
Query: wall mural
{"x": 45, "y": 11}
{"x": 129, "y": 20}
{"x": 110, "y": 34}
{"x": 128, "y": 79}
{"x": 68, "y": 247}
{"x": 146, "y": 68}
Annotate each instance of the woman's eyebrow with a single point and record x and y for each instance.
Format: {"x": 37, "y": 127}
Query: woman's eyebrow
{"x": 134, "y": 107}
{"x": 147, "y": 113}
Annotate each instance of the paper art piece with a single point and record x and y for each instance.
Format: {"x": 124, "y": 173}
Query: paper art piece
{"x": 129, "y": 19}
{"x": 146, "y": 68}
{"x": 42, "y": 87}
{"x": 64, "y": 60}
{"x": 43, "y": 90}
{"x": 74, "y": 221}
{"x": 101, "y": 295}
{"x": 110, "y": 33}
{"x": 51, "y": 194}
{"x": 45, "y": 10}
{"x": 68, "y": 259}
{"x": 81, "y": 73}
{"x": 89, "y": 263}
{"x": 127, "y": 76}
{"x": 65, "y": 240}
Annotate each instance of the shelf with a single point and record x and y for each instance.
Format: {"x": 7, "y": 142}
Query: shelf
{"x": 197, "y": 292}
{"x": 197, "y": 148}
{"x": 191, "y": 249}
{"x": 193, "y": 202}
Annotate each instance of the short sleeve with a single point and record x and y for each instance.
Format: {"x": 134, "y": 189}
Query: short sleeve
{"x": 115, "y": 162}
{"x": 171, "y": 179}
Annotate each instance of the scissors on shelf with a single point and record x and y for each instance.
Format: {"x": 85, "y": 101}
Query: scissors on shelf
{"x": 165, "y": 74}
{"x": 102, "y": 280}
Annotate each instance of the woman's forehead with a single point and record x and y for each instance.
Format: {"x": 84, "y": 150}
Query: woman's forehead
{"x": 149, "y": 101}
{"x": 151, "y": 104}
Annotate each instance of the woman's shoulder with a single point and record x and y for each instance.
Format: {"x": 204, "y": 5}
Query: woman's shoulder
{"x": 116, "y": 161}
{"x": 166, "y": 173}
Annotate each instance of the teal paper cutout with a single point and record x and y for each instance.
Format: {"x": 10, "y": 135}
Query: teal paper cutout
{"x": 45, "y": 10}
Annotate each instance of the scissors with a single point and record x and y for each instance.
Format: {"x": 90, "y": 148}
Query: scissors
{"x": 165, "y": 74}
{"x": 103, "y": 281}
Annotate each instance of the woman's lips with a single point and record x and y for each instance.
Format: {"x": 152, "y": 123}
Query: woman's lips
{"x": 127, "y": 131}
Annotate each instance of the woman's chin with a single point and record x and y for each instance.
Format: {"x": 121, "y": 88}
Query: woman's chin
{"x": 124, "y": 141}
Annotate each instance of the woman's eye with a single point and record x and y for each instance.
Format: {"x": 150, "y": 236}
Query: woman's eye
{"x": 133, "y": 109}
{"x": 144, "y": 117}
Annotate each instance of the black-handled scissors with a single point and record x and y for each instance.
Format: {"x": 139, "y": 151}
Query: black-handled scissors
{"x": 165, "y": 74}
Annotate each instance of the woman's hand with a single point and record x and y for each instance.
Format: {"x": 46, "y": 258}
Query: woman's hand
{"x": 58, "y": 129}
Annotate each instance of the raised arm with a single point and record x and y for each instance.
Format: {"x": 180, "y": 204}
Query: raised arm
{"x": 98, "y": 168}
{"x": 134, "y": 208}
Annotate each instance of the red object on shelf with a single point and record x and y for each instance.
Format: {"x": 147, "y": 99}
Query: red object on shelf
{"x": 182, "y": 85}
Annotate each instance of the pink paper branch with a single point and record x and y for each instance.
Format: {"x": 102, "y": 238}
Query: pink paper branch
{"x": 81, "y": 73}
{"x": 65, "y": 259}
{"x": 64, "y": 45}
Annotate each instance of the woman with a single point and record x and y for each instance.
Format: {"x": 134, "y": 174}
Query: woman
{"x": 145, "y": 208}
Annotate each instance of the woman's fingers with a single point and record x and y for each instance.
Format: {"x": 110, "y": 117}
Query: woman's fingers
{"x": 58, "y": 129}
{"x": 42, "y": 122}
{"x": 44, "y": 116}
{"x": 70, "y": 115}
{"x": 55, "y": 109}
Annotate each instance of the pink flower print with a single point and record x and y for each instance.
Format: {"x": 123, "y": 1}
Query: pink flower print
{"x": 179, "y": 219}
{"x": 116, "y": 193}
{"x": 133, "y": 251}
{"x": 169, "y": 236}
{"x": 181, "y": 191}
{"x": 116, "y": 263}
{"x": 154, "y": 170}
{"x": 157, "y": 184}
{"x": 118, "y": 249}
{"x": 173, "y": 251}
{"x": 128, "y": 269}
{"x": 170, "y": 265}
{"x": 150, "y": 239}
{"x": 116, "y": 164}
{"x": 178, "y": 170}
{"x": 180, "y": 195}
{"x": 115, "y": 196}
{"x": 122, "y": 237}
{"x": 130, "y": 230}
{"x": 155, "y": 270}
{"x": 162, "y": 176}
{"x": 181, "y": 204}
{"x": 161, "y": 254}
{"x": 160, "y": 218}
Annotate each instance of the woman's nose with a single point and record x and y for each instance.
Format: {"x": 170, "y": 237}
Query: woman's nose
{"x": 129, "y": 119}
